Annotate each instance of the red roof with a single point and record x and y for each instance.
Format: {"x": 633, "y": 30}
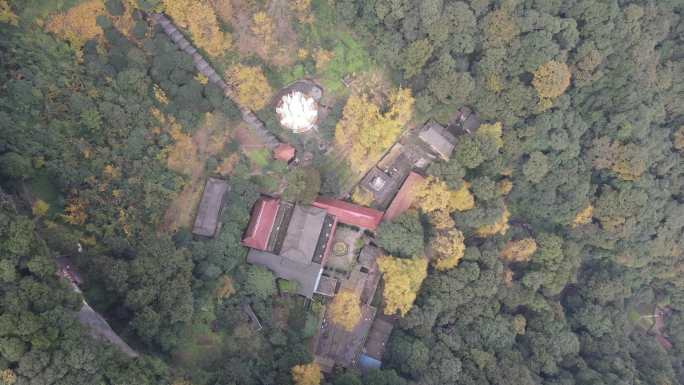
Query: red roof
{"x": 261, "y": 224}
{"x": 349, "y": 213}
{"x": 284, "y": 152}
{"x": 404, "y": 198}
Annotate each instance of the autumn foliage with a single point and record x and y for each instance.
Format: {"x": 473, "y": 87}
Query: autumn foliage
{"x": 7, "y": 377}
{"x": 498, "y": 227}
{"x": 307, "y": 374}
{"x": 678, "y": 139}
{"x": 322, "y": 57}
{"x": 403, "y": 278}
{"x": 584, "y": 216}
{"x": 182, "y": 156}
{"x": 520, "y": 250}
{"x": 345, "y": 309}
{"x": 302, "y": 10}
{"x": 361, "y": 196}
{"x": 252, "y": 88}
{"x": 441, "y": 219}
{"x": 6, "y": 14}
{"x": 79, "y": 23}
{"x": 447, "y": 249}
{"x": 627, "y": 161}
{"x": 494, "y": 131}
{"x": 40, "y": 208}
{"x": 263, "y": 28}
{"x": 224, "y": 287}
{"x": 198, "y": 17}
{"x": 434, "y": 195}
{"x": 551, "y": 79}
{"x": 366, "y": 131}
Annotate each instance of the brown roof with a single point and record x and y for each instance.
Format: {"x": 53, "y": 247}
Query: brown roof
{"x": 303, "y": 233}
{"x": 377, "y": 338}
{"x": 261, "y": 223}
{"x": 284, "y": 152}
{"x": 404, "y": 198}
{"x": 207, "y": 219}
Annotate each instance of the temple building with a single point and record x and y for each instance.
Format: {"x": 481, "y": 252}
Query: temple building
{"x": 293, "y": 241}
{"x": 207, "y": 220}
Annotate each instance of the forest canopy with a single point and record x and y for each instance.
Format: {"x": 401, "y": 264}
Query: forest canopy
{"x": 548, "y": 248}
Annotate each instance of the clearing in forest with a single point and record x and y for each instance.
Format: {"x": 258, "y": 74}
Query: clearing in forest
{"x": 188, "y": 156}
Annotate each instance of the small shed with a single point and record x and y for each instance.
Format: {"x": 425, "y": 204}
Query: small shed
{"x": 284, "y": 152}
{"x": 209, "y": 210}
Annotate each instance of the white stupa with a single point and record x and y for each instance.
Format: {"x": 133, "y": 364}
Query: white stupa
{"x": 297, "y": 112}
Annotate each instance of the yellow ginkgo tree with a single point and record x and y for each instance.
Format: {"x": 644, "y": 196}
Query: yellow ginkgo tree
{"x": 345, "y": 309}
{"x": 366, "y": 132}
{"x": 403, "y": 277}
{"x": 447, "y": 249}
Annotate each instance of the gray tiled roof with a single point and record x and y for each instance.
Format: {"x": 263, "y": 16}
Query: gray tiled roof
{"x": 438, "y": 138}
{"x": 307, "y": 275}
{"x": 303, "y": 233}
{"x": 207, "y": 218}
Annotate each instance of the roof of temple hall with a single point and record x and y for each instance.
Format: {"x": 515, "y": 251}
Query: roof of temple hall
{"x": 261, "y": 223}
{"x": 349, "y": 213}
{"x": 207, "y": 219}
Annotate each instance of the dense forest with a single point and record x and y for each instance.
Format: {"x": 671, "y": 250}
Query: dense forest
{"x": 554, "y": 232}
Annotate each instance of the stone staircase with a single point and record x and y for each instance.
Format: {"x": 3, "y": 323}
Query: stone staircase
{"x": 207, "y": 70}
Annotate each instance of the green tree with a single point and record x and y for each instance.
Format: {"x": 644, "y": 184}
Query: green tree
{"x": 259, "y": 282}
{"x": 303, "y": 185}
{"x": 536, "y": 167}
{"x": 403, "y": 236}
{"x": 15, "y": 166}
{"x": 414, "y": 56}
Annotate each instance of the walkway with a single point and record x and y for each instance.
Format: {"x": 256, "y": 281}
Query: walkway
{"x": 207, "y": 70}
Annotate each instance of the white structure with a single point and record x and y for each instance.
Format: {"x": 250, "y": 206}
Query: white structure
{"x": 297, "y": 112}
